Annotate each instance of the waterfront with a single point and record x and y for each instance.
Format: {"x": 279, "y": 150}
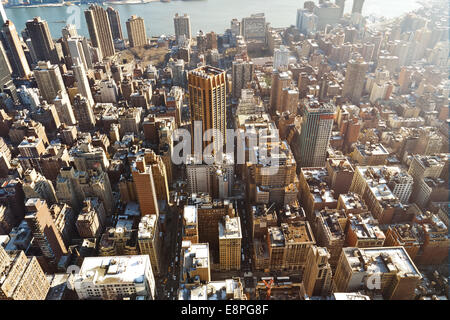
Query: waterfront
{"x": 206, "y": 15}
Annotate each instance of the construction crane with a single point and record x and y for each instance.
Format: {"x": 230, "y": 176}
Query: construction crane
{"x": 269, "y": 288}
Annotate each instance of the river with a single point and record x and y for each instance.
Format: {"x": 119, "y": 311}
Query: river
{"x": 206, "y": 15}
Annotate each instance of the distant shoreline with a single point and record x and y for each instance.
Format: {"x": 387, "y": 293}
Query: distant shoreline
{"x": 66, "y": 4}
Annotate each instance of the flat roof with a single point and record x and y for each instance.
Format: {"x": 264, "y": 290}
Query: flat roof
{"x": 114, "y": 269}
{"x": 381, "y": 260}
{"x": 190, "y": 214}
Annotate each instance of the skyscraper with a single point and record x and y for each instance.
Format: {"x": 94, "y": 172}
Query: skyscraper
{"x": 22, "y": 277}
{"x": 254, "y": 27}
{"x": 317, "y": 276}
{"x": 14, "y": 50}
{"x": 281, "y": 57}
{"x": 100, "y": 30}
{"x": 280, "y": 80}
{"x": 82, "y": 81}
{"x": 83, "y": 112}
{"x": 79, "y": 49}
{"x": 354, "y": 79}
{"x": 149, "y": 241}
{"x": 145, "y": 187}
{"x": 207, "y": 100}
{"x": 46, "y": 235}
{"x": 341, "y": 4}
{"x": 64, "y": 109}
{"x": 316, "y": 133}
{"x": 306, "y": 21}
{"x": 114, "y": 22}
{"x": 3, "y": 17}
{"x": 42, "y": 40}
{"x": 242, "y": 74}
{"x": 6, "y": 82}
{"x": 136, "y": 31}
{"x": 230, "y": 238}
{"x": 182, "y": 26}
{"x": 49, "y": 80}
{"x": 357, "y": 6}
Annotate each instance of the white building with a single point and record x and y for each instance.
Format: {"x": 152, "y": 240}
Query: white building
{"x": 217, "y": 179}
{"x": 108, "y": 91}
{"x": 82, "y": 81}
{"x": 378, "y": 91}
{"x": 79, "y": 48}
{"x": 281, "y": 57}
{"x": 64, "y": 109}
{"x": 249, "y": 104}
{"x": 112, "y": 278}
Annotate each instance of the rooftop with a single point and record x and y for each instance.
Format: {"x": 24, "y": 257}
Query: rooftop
{"x": 146, "y": 229}
{"x": 382, "y": 260}
{"x": 230, "y": 228}
{"x": 114, "y": 269}
{"x": 206, "y": 72}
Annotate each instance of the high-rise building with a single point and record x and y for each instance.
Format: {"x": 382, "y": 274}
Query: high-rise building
{"x": 249, "y": 104}
{"x": 83, "y": 113}
{"x": 306, "y": 21}
{"x": 3, "y": 16}
{"x": 289, "y": 246}
{"x": 195, "y": 262}
{"x": 281, "y": 57}
{"x": 46, "y": 235}
{"x": 357, "y": 6}
{"x": 42, "y": 40}
{"x": 207, "y": 101}
{"x": 182, "y": 26}
{"x": 178, "y": 73}
{"x": 254, "y": 27}
{"x": 108, "y": 278}
{"x": 316, "y": 133}
{"x": 80, "y": 49}
{"x": 22, "y": 277}
{"x": 190, "y": 224}
{"x": 145, "y": 187}
{"x": 280, "y": 80}
{"x": 209, "y": 214}
{"x": 64, "y": 109}
{"x": 242, "y": 74}
{"x": 92, "y": 218}
{"x": 355, "y": 77}
{"x": 217, "y": 179}
{"x": 6, "y": 83}
{"x": 159, "y": 174}
{"x": 136, "y": 31}
{"x": 82, "y": 82}
{"x": 341, "y": 4}
{"x": 100, "y": 30}
{"x": 387, "y": 269}
{"x": 230, "y": 238}
{"x": 49, "y": 80}
{"x": 35, "y": 185}
{"x": 149, "y": 240}
{"x": 318, "y": 274}
{"x": 14, "y": 50}
{"x": 114, "y": 22}
{"x": 119, "y": 240}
